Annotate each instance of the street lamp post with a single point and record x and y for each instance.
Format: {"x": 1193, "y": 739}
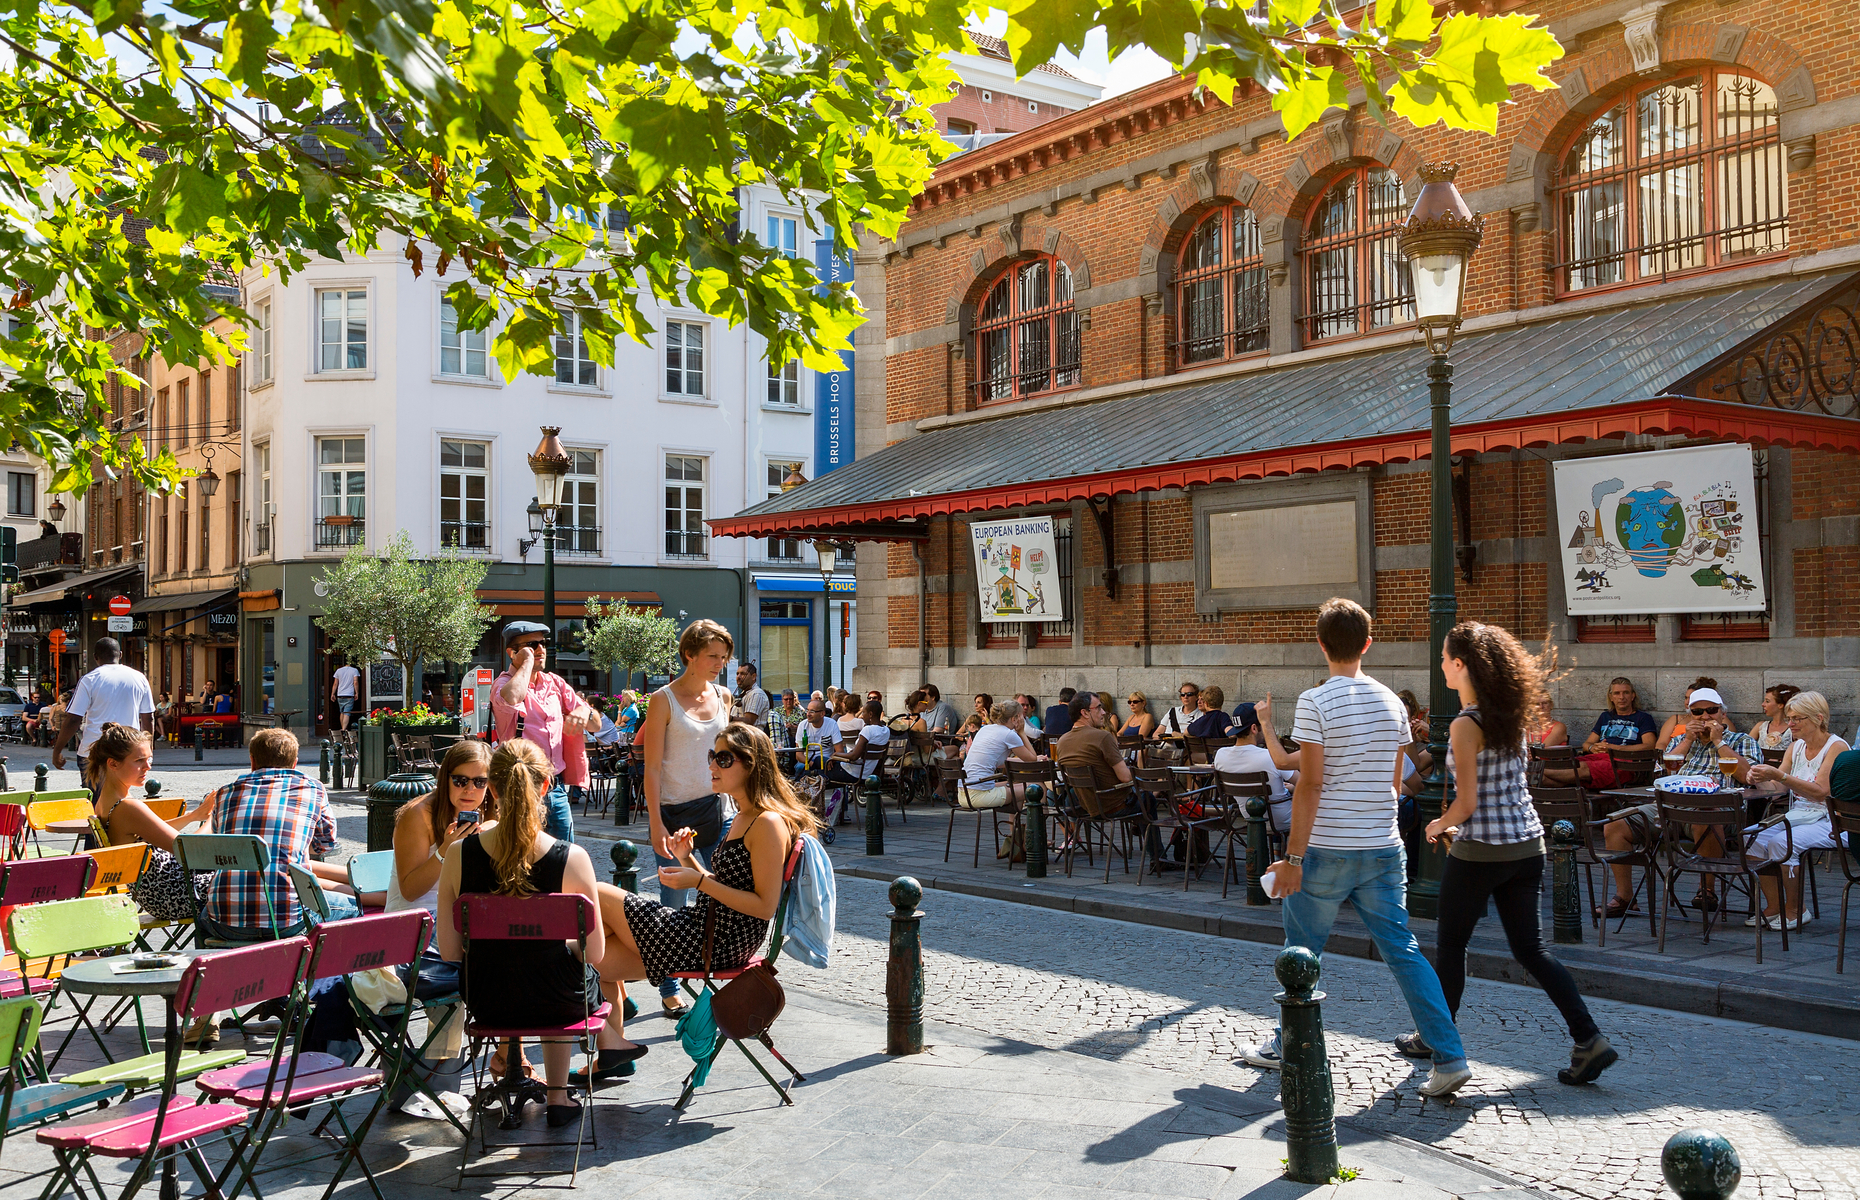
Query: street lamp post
{"x": 548, "y": 463}
{"x": 1438, "y": 240}
{"x": 829, "y": 561}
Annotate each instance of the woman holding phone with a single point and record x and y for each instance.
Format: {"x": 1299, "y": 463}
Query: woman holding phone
{"x": 425, "y": 828}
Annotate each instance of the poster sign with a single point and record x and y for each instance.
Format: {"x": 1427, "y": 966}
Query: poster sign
{"x": 833, "y": 398}
{"x": 1017, "y": 570}
{"x": 1673, "y": 531}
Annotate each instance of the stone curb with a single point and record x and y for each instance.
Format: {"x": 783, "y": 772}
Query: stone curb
{"x": 1828, "y": 1016}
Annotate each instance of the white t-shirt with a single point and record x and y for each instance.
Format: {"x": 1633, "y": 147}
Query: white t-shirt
{"x": 346, "y": 677}
{"x": 1249, "y": 759}
{"x": 827, "y": 735}
{"x": 112, "y": 692}
{"x": 877, "y": 733}
{"x": 987, "y": 750}
{"x": 1362, "y": 726}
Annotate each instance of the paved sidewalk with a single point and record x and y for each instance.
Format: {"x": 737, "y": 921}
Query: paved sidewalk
{"x": 974, "y": 1116}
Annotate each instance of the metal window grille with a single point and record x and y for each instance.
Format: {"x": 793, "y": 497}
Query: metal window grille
{"x": 1027, "y": 340}
{"x": 1221, "y": 298}
{"x": 1060, "y": 632}
{"x": 1683, "y": 176}
{"x": 1356, "y": 279}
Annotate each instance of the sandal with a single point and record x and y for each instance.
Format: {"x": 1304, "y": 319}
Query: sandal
{"x": 611, "y": 1064}
{"x": 1618, "y": 906}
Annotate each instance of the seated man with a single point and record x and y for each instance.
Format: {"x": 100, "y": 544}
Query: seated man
{"x": 1258, "y": 752}
{"x": 35, "y": 706}
{"x": 817, "y": 738}
{"x": 1213, "y": 720}
{"x": 1089, "y": 751}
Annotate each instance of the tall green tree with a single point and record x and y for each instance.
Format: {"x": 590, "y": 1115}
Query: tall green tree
{"x": 390, "y": 604}
{"x": 546, "y": 158}
{"x": 633, "y": 636}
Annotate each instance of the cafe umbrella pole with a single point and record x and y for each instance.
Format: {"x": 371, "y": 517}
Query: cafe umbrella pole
{"x": 1439, "y": 240}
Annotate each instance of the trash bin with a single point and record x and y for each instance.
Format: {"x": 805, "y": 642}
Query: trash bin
{"x": 385, "y": 798}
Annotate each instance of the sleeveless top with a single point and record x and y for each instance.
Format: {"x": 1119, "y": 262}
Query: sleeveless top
{"x": 1801, "y": 766}
{"x": 1769, "y": 739}
{"x": 684, "y": 769}
{"x": 1504, "y": 815}
{"x": 399, "y": 903}
{"x": 554, "y": 982}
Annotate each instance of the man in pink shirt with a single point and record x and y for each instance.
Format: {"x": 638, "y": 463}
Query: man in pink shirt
{"x": 527, "y": 701}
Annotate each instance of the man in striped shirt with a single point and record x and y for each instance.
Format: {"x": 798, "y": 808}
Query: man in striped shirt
{"x": 1343, "y": 843}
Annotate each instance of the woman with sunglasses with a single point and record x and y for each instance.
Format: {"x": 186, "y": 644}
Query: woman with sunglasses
{"x": 1142, "y": 721}
{"x": 738, "y": 889}
{"x": 426, "y": 827}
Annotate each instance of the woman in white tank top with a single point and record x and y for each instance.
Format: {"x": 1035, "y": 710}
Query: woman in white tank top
{"x": 682, "y": 722}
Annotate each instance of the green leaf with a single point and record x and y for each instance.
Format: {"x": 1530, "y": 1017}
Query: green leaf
{"x": 1295, "y": 14}
{"x": 1409, "y": 21}
{"x": 1303, "y": 103}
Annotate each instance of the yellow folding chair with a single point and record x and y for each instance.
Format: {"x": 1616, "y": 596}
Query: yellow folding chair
{"x": 50, "y": 808}
{"x": 118, "y": 867}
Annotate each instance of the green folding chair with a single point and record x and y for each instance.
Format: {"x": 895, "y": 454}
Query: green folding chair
{"x": 25, "y": 1105}
{"x": 46, "y": 933}
{"x": 370, "y": 873}
{"x": 229, "y": 852}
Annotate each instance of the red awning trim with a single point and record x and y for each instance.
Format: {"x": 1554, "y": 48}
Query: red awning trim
{"x": 1663, "y": 416}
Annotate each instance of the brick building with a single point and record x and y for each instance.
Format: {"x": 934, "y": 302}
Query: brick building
{"x": 1191, "y": 341}
{"x": 990, "y": 100}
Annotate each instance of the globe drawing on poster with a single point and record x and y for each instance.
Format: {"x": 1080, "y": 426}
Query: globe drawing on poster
{"x": 1670, "y": 531}
{"x": 1014, "y": 570}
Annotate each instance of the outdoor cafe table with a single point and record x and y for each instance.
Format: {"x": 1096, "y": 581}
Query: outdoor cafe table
{"x": 98, "y": 977}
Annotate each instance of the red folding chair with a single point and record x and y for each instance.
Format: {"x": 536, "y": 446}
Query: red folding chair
{"x": 160, "y": 1129}
{"x": 315, "y": 1080}
{"x": 710, "y": 978}
{"x": 553, "y": 917}
{"x": 36, "y": 881}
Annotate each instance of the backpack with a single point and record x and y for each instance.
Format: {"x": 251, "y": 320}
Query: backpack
{"x": 812, "y": 907}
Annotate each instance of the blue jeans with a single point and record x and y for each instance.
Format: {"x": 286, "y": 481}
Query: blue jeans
{"x": 559, "y": 814}
{"x": 1375, "y": 884}
{"x": 208, "y": 928}
{"x": 680, "y": 897}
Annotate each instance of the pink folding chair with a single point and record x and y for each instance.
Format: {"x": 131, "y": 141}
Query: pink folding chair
{"x": 160, "y": 1130}
{"x": 313, "y": 1079}
{"x": 554, "y": 917}
{"x": 36, "y": 881}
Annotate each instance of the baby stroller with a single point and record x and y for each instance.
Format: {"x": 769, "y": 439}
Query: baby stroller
{"x": 831, "y": 799}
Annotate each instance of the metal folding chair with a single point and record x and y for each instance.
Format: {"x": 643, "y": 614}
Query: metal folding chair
{"x": 24, "y": 1105}
{"x": 370, "y": 872}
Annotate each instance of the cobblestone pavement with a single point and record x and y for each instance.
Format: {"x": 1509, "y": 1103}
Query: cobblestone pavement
{"x": 1190, "y": 1004}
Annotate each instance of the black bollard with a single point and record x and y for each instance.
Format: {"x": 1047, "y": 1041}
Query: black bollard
{"x": 904, "y": 972}
{"x": 1565, "y": 899}
{"x": 38, "y": 777}
{"x": 626, "y": 856}
{"x": 151, "y": 788}
{"x": 4, "y": 785}
{"x": 1700, "y": 1165}
{"x": 1036, "y": 831}
{"x": 342, "y": 768}
{"x": 322, "y": 764}
{"x": 1258, "y": 857}
{"x": 200, "y": 742}
{"x": 872, "y": 794}
{"x": 1304, "y": 1071}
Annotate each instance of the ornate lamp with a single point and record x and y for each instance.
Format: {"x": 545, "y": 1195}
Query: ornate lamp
{"x": 1439, "y": 240}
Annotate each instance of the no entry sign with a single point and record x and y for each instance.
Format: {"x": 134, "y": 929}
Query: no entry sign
{"x": 119, "y": 606}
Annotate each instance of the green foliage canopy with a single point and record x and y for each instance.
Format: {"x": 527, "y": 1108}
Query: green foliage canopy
{"x": 391, "y": 604}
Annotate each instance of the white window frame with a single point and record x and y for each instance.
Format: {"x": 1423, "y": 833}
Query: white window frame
{"x": 772, "y": 229}
{"x": 778, "y": 377}
{"x": 568, "y": 545}
{"x": 463, "y": 473}
{"x": 486, "y": 378}
{"x": 773, "y": 490}
{"x": 578, "y": 345}
{"x": 317, "y": 371}
{"x": 666, "y": 454}
{"x": 259, "y": 354}
{"x": 262, "y": 515}
{"x": 317, "y": 438}
{"x": 703, "y": 372}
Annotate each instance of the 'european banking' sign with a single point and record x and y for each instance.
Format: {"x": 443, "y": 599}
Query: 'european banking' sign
{"x": 833, "y": 390}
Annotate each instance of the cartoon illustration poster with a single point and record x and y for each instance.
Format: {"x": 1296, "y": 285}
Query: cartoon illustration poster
{"x": 1671, "y": 531}
{"x": 1014, "y": 570}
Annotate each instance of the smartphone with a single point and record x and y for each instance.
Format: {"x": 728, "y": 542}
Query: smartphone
{"x": 466, "y": 816}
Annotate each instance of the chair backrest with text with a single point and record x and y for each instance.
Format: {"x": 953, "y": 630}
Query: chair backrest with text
{"x": 229, "y": 852}
{"x": 40, "y": 880}
{"x": 544, "y": 917}
{"x": 118, "y": 867}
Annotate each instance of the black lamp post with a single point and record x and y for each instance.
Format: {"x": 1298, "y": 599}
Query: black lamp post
{"x": 548, "y": 463}
{"x": 829, "y": 561}
{"x": 1439, "y": 240}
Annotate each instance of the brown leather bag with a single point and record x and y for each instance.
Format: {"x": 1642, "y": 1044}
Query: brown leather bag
{"x": 744, "y": 1007}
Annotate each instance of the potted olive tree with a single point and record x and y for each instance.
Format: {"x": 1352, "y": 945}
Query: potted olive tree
{"x": 628, "y": 639}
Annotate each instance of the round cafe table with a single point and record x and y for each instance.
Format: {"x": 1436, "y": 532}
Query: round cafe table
{"x": 98, "y": 977}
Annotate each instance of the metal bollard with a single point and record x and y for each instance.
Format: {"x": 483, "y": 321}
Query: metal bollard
{"x": 1257, "y": 858}
{"x": 200, "y": 743}
{"x": 4, "y": 785}
{"x": 1566, "y": 900}
{"x": 38, "y": 777}
{"x": 904, "y": 971}
{"x": 626, "y": 856}
{"x": 1700, "y": 1165}
{"x": 343, "y": 768}
{"x": 1036, "y": 831}
{"x": 151, "y": 788}
{"x": 872, "y": 795}
{"x": 322, "y": 764}
{"x": 1304, "y": 1083}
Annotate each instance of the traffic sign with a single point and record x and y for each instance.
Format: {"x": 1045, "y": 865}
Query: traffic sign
{"x": 119, "y": 607}
{"x": 57, "y": 639}
{"x": 122, "y": 624}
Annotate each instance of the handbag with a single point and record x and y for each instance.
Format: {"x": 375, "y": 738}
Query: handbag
{"x": 703, "y": 816}
{"x": 746, "y": 1006}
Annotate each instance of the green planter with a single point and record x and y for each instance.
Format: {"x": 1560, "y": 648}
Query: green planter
{"x": 374, "y": 756}
{"x": 385, "y": 799}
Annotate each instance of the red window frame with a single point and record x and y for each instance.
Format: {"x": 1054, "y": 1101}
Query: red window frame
{"x": 1221, "y": 308}
{"x": 1724, "y": 627}
{"x": 1026, "y": 335}
{"x": 1356, "y": 279}
{"x": 1615, "y": 630}
{"x": 1723, "y": 143}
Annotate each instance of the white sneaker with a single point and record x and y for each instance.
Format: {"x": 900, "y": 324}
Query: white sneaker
{"x": 1264, "y": 1056}
{"x": 1445, "y": 1083}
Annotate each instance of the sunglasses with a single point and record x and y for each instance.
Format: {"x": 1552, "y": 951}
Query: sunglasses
{"x": 1709, "y": 711}
{"x": 723, "y": 759}
{"x": 471, "y": 781}
{"x": 538, "y": 644}
{"x": 1134, "y": 700}
{"x": 1187, "y": 695}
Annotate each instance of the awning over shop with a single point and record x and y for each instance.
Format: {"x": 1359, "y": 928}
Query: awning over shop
{"x": 804, "y": 583}
{"x": 521, "y": 602}
{"x": 74, "y": 585}
{"x": 208, "y": 599}
{"x": 1592, "y": 375}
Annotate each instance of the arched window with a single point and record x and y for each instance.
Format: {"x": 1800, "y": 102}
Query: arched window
{"x": 1356, "y": 279}
{"x": 1682, "y": 176}
{"x": 1222, "y": 288}
{"x": 1027, "y": 340}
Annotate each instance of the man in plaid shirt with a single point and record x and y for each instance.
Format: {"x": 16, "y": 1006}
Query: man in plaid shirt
{"x": 290, "y": 812}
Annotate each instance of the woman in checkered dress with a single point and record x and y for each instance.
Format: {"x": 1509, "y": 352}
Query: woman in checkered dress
{"x": 1496, "y": 843}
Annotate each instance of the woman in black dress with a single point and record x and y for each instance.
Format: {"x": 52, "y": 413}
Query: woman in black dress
{"x": 741, "y": 888}
{"x": 524, "y": 983}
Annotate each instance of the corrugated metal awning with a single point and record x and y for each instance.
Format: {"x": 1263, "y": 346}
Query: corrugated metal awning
{"x": 1592, "y": 375}
{"x": 207, "y": 599}
{"x": 76, "y": 583}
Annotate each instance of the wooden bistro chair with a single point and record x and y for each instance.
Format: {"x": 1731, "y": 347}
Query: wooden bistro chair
{"x": 1101, "y": 803}
{"x": 1549, "y": 758}
{"x": 1186, "y": 806}
{"x": 1235, "y": 790}
{"x": 1773, "y": 756}
{"x": 1846, "y": 818}
{"x": 1635, "y": 766}
{"x": 1722, "y": 814}
{"x": 955, "y": 790}
{"x": 1643, "y": 853}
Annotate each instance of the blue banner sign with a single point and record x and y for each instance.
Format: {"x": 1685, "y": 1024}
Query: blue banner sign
{"x": 833, "y": 390}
